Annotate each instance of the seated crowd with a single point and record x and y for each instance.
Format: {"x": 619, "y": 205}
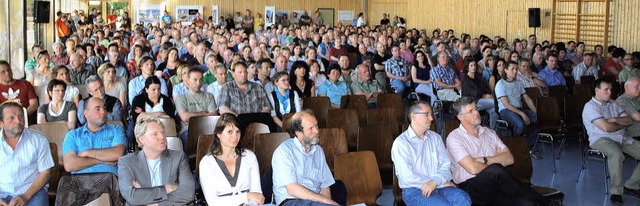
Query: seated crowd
{"x": 250, "y": 73}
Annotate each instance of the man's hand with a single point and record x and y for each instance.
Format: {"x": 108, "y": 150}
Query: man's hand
{"x": 136, "y": 184}
{"x": 170, "y": 188}
{"x": 19, "y": 200}
{"x": 428, "y": 187}
{"x": 449, "y": 184}
{"x": 2, "y": 203}
{"x": 525, "y": 119}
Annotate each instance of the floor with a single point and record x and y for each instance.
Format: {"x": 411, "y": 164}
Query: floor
{"x": 589, "y": 190}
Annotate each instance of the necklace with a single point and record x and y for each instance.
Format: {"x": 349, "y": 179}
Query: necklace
{"x": 223, "y": 158}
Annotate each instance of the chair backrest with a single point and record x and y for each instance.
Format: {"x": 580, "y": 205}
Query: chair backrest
{"x": 573, "y": 107}
{"x": 352, "y": 59}
{"x": 558, "y": 92}
{"x": 346, "y": 119}
{"x": 522, "y": 167}
{"x": 358, "y": 171}
{"x": 204, "y": 145}
{"x": 588, "y": 80}
{"x": 379, "y": 116}
{"x": 333, "y": 142}
{"x": 174, "y": 143}
{"x": 397, "y": 192}
{"x": 199, "y": 125}
{"x": 55, "y": 171}
{"x": 379, "y": 139}
{"x": 249, "y": 136}
{"x": 41, "y": 92}
{"x": 170, "y": 129}
{"x": 320, "y": 107}
{"x": 357, "y": 102}
{"x": 534, "y": 92}
{"x": 449, "y": 126}
{"x": 266, "y": 144}
{"x": 389, "y": 100}
{"x": 55, "y": 132}
{"x": 583, "y": 90}
{"x": 548, "y": 113}
{"x": 285, "y": 121}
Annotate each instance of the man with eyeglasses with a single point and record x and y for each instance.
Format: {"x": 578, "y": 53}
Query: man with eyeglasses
{"x": 422, "y": 163}
{"x": 479, "y": 159}
{"x": 628, "y": 70}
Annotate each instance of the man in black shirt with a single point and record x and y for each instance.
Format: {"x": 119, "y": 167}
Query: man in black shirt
{"x": 384, "y": 20}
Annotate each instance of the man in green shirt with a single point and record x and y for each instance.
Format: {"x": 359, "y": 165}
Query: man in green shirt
{"x": 630, "y": 102}
{"x": 211, "y": 61}
{"x": 365, "y": 86}
{"x": 31, "y": 63}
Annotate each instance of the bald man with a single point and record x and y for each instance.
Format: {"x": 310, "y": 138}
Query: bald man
{"x": 78, "y": 70}
{"x": 631, "y": 104}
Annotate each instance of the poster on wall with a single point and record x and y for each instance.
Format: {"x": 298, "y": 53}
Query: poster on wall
{"x": 186, "y": 13}
{"x": 214, "y": 14}
{"x": 345, "y": 16}
{"x": 149, "y": 13}
{"x": 280, "y": 15}
{"x": 269, "y": 16}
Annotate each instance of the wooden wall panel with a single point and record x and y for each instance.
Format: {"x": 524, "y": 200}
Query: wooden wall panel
{"x": 627, "y": 24}
{"x": 229, "y": 6}
{"x": 392, "y": 7}
{"x": 506, "y": 18}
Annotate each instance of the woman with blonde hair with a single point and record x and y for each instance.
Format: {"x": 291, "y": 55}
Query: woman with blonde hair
{"x": 40, "y": 76}
{"x": 112, "y": 86}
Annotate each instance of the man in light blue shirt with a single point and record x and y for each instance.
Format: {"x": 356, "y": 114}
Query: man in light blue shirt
{"x": 550, "y": 74}
{"x": 25, "y": 160}
{"x": 301, "y": 175}
{"x": 422, "y": 163}
{"x": 96, "y": 146}
{"x": 137, "y": 84}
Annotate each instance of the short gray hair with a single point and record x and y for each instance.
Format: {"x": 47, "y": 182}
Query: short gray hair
{"x": 141, "y": 127}
{"x": 461, "y": 103}
{"x": 415, "y": 107}
{"x": 93, "y": 78}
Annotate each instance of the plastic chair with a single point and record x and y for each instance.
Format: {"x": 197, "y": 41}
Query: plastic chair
{"x": 549, "y": 124}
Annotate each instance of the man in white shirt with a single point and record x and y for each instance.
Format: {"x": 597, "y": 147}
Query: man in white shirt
{"x": 422, "y": 163}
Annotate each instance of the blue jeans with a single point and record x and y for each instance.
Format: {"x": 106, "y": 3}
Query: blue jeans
{"x": 439, "y": 196}
{"x": 518, "y": 124}
{"x": 40, "y": 198}
{"x": 299, "y": 202}
{"x": 185, "y": 139}
{"x": 400, "y": 85}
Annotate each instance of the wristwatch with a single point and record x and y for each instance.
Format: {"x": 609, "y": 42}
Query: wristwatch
{"x": 485, "y": 160}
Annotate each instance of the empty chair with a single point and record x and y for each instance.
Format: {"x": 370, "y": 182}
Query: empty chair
{"x": 346, "y": 119}
{"x": 204, "y": 145}
{"x": 558, "y": 92}
{"x": 587, "y": 80}
{"x": 55, "y": 132}
{"x": 384, "y": 116}
{"x": 549, "y": 124}
{"x": 248, "y": 138}
{"x": 198, "y": 125}
{"x": 379, "y": 139}
{"x": 266, "y": 144}
{"x": 333, "y": 141}
{"x": 358, "y": 171}
{"x": 389, "y": 100}
{"x": 320, "y": 107}
{"x": 170, "y": 129}
{"x": 522, "y": 168}
{"x": 534, "y": 92}
{"x": 357, "y": 102}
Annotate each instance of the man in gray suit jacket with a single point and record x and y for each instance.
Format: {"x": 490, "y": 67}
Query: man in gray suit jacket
{"x": 155, "y": 175}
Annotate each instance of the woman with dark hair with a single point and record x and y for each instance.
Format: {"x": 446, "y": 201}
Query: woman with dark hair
{"x": 168, "y": 67}
{"x": 613, "y": 65}
{"x": 420, "y": 75}
{"x": 497, "y": 74}
{"x": 150, "y": 103}
{"x": 133, "y": 64}
{"x": 473, "y": 86}
{"x": 229, "y": 174}
{"x": 299, "y": 79}
{"x": 57, "y": 109}
{"x": 72, "y": 93}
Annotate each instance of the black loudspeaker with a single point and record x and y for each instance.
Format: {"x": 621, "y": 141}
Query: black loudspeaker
{"x": 534, "y": 17}
{"x": 41, "y": 12}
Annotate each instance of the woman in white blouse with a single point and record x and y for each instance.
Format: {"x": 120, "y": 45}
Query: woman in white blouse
{"x": 71, "y": 93}
{"x": 229, "y": 174}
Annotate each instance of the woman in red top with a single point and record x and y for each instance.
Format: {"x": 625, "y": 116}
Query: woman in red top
{"x": 336, "y": 50}
{"x": 613, "y": 65}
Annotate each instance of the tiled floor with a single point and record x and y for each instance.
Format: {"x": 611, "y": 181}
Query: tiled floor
{"x": 590, "y": 190}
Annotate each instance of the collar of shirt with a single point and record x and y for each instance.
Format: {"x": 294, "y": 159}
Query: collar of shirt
{"x": 481, "y": 131}
{"x": 412, "y": 134}
{"x": 85, "y": 129}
